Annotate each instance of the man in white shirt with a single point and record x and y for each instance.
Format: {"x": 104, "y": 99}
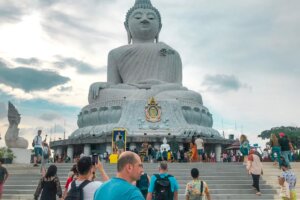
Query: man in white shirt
{"x": 85, "y": 174}
{"x": 200, "y": 147}
{"x": 38, "y": 148}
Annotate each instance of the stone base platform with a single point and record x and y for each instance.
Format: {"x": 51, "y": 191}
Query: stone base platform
{"x": 22, "y": 156}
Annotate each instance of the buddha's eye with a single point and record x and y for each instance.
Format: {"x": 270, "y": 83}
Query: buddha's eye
{"x": 150, "y": 16}
{"x": 138, "y": 16}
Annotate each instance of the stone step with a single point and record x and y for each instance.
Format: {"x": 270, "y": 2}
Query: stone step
{"x": 181, "y": 197}
{"x": 225, "y": 180}
{"x": 182, "y": 186}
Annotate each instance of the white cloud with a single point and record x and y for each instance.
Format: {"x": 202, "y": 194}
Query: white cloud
{"x": 255, "y": 42}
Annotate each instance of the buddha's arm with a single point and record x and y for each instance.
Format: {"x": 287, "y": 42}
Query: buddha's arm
{"x": 94, "y": 90}
{"x": 113, "y": 75}
{"x": 178, "y": 69}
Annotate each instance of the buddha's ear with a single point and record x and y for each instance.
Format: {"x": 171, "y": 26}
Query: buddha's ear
{"x": 157, "y": 35}
{"x": 129, "y": 37}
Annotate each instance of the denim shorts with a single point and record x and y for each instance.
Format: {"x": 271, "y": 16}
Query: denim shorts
{"x": 38, "y": 151}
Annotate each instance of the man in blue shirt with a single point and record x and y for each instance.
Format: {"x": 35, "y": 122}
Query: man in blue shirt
{"x": 129, "y": 168}
{"x": 163, "y": 172}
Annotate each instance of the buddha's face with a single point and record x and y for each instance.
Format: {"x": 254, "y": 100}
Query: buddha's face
{"x": 143, "y": 24}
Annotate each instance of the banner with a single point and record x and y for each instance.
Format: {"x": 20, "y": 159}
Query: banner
{"x": 119, "y": 140}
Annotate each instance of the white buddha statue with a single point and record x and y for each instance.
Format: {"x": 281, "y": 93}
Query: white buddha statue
{"x": 142, "y": 69}
{"x": 144, "y": 62}
{"x": 165, "y": 145}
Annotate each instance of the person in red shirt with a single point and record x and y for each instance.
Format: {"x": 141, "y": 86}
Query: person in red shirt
{"x": 74, "y": 174}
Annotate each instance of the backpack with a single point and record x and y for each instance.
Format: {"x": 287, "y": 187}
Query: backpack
{"x": 162, "y": 188}
{"x": 76, "y": 193}
{"x": 259, "y": 155}
{"x": 143, "y": 183}
{"x": 245, "y": 144}
{"x": 244, "y": 148}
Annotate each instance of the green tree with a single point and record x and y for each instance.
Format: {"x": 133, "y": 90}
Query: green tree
{"x": 293, "y": 134}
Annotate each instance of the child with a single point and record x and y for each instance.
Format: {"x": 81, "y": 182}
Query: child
{"x": 284, "y": 188}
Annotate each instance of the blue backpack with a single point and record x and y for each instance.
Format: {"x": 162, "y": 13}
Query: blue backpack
{"x": 244, "y": 148}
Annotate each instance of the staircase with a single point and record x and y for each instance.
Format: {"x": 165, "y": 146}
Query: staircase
{"x": 225, "y": 180}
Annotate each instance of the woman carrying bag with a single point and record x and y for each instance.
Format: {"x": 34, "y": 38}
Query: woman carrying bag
{"x": 255, "y": 168}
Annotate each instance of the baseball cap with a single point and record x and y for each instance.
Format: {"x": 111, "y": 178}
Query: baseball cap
{"x": 281, "y": 134}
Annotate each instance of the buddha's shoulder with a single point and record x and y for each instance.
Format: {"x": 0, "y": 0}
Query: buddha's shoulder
{"x": 119, "y": 50}
{"x": 163, "y": 45}
{"x": 136, "y": 47}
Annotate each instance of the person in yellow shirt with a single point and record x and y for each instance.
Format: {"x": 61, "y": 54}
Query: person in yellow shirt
{"x": 169, "y": 156}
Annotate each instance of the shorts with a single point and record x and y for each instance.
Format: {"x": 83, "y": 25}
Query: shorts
{"x": 38, "y": 151}
{"x": 200, "y": 152}
{"x": 1, "y": 188}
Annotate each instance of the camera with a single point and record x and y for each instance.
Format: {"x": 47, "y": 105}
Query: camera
{"x": 95, "y": 159}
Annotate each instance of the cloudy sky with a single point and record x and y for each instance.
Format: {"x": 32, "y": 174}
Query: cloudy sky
{"x": 240, "y": 55}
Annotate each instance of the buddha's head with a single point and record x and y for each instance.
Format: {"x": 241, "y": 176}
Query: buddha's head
{"x": 143, "y": 22}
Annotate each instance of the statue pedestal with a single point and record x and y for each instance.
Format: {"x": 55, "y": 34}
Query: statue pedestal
{"x": 22, "y": 156}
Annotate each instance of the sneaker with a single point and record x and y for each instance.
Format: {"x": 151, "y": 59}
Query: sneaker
{"x": 35, "y": 165}
{"x": 258, "y": 193}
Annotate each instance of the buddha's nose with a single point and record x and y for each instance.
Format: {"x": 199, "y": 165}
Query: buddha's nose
{"x": 145, "y": 21}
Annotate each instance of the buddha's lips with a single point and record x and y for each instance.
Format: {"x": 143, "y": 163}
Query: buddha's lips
{"x": 145, "y": 25}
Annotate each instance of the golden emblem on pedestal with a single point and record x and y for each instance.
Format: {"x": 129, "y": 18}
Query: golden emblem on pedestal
{"x": 152, "y": 110}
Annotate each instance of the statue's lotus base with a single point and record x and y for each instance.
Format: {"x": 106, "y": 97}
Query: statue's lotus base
{"x": 22, "y": 156}
{"x": 179, "y": 118}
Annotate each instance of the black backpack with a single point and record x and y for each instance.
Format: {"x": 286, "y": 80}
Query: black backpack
{"x": 162, "y": 188}
{"x": 76, "y": 193}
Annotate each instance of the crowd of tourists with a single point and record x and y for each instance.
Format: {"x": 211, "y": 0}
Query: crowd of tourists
{"x": 280, "y": 153}
{"x": 195, "y": 153}
{"x": 130, "y": 182}
{"x": 136, "y": 184}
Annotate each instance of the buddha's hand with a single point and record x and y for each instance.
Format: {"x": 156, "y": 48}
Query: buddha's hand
{"x": 95, "y": 89}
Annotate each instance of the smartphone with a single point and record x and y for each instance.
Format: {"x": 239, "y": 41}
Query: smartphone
{"x": 95, "y": 159}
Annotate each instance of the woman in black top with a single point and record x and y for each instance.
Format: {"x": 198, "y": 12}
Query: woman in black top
{"x": 49, "y": 185}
